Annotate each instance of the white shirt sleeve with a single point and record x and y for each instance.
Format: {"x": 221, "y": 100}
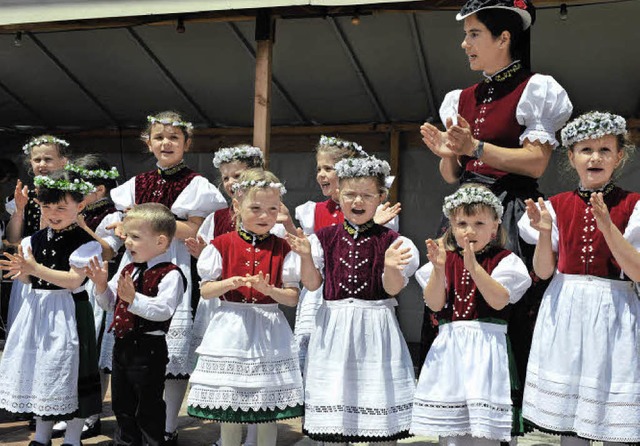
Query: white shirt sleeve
{"x": 81, "y": 256}
{"x": 109, "y": 235}
{"x": 291, "y": 271}
{"x": 209, "y": 264}
{"x": 279, "y": 230}
{"x": 449, "y": 106}
{"x": 531, "y": 235}
{"x": 317, "y": 253}
{"x": 306, "y": 216}
{"x": 423, "y": 274}
{"x": 199, "y": 199}
{"x": 124, "y": 196}
{"x": 543, "y": 109}
{"x": 107, "y": 299}
{"x": 10, "y": 206}
{"x": 632, "y": 231}
{"x": 512, "y": 274}
{"x": 207, "y": 227}
{"x": 160, "y": 307}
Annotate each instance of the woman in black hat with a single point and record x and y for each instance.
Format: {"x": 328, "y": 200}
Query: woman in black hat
{"x": 501, "y": 132}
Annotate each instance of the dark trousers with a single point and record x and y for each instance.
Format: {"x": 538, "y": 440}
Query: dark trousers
{"x": 137, "y": 387}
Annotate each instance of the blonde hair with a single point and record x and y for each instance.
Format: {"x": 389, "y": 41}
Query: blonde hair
{"x": 157, "y": 216}
{"x": 172, "y": 116}
{"x": 252, "y": 175}
{"x": 337, "y": 148}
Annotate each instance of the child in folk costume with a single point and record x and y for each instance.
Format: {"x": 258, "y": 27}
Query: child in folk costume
{"x": 359, "y": 379}
{"x": 583, "y": 375}
{"x": 44, "y": 155}
{"x": 49, "y": 366}
{"x": 191, "y": 198}
{"x": 464, "y": 391}
{"x": 315, "y": 216}
{"x": 144, "y": 297}
{"x": 98, "y": 214}
{"x": 247, "y": 371}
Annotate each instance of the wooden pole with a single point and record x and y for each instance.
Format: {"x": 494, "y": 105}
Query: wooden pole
{"x": 262, "y": 98}
{"x": 394, "y": 157}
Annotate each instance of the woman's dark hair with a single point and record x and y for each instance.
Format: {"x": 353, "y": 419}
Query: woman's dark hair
{"x": 96, "y": 162}
{"x": 47, "y": 195}
{"x": 498, "y": 20}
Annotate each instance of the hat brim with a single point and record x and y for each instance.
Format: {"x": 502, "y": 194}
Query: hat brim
{"x": 524, "y": 14}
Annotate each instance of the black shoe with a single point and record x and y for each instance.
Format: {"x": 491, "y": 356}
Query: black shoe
{"x": 37, "y": 443}
{"x": 68, "y": 444}
{"x": 59, "y": 429}
{"x": 171, "y": 438}
{"x": 91, "y": 430}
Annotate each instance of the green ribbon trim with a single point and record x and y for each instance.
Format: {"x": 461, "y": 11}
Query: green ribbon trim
{"x": 250, "y": 416}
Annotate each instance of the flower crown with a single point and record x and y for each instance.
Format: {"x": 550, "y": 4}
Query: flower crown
{"x": 239, "y": 153}
{"x": 471, "y": 195}
{"x": 166, "y": 121}
{"x": 333, "y": 141}
{"x": 43, "y": 140}
{"x": 97, "y": 173}
{"x": 250, "y": 184}
{"x": 592, "y": 125}
{"x": 77, "y": 185}
{"x": 362, "y": 167}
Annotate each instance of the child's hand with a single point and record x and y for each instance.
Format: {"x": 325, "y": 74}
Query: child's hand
{"x": 235, "y": 282}
{"x": 600, "y": 211}
{"x": 21, "y": 196}
{"x": 18, "y": 264}
{"x": 283, "y": 214}
{"x": 97, "y": 272}
{"x": 469, "y": 254}
{"x": 260, "y": 283}
{"x": 396, "y": 257}
{"x": 81, "y": 222}
{"x": 195, "y": 245}
{"x": 436, "y": 254}
{"x": 539, "y": 218}
{"x": 436, "y": 140}
{"x": 126, "y": 288}
{"x": 386, "y": 213}
{"x": 118, "y": 229}
{"x": 299, "y": 243}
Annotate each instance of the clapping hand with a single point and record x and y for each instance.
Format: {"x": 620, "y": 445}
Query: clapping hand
{"x": 299, "y": 243}
{"x": 436, "y": 254}
{"x": 539, "y": 217}
{"x": 396, "y": 257}
{"x": 386, "y": 213}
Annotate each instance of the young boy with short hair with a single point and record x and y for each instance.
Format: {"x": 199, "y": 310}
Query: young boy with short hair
{"x": 145, "y": 296}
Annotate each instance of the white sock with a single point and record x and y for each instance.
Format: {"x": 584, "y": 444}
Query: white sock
{"x": 44, "y": 429}
{"x": 566, "y": 440}
{"x": 174, "y": 390}
{"x": 231, "y": 434}
{"x": 267, "y": 434}
{"x": 74, "y": 431}
{"x": 252, "y": 435}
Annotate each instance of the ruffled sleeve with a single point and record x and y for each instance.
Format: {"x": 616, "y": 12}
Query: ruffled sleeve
{"x": 26, "y": 245}
{"x": 632, "y": 231}
{"x": 423, "y": 274}
{"x": 279, "y": 230}
{"x": 199, "y": 199}
{"x": 449, "y": 106}
{"x": 291, "y": 271}
{"x": 531, "y": 235}
{"x": 124, "y": 196}
{"x": 81, "y": 256}
{"x": 306, "y": 216}
{"x": 209, "y": 264}
{"x": 10, "y": 206}
{"x": 317, "y": 253}
{"x": 543, "y": 109}
{"x": 109, "y": 235}
{"x": 207, "y": 227}
{"x": 512, "y": 274}
{"x": 413, "y": 264}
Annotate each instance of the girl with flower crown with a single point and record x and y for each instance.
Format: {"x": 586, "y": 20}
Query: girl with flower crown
{"x": 43, "y": 155}
{"x": 471, "y": 281}
{"x": 500, "y": 132}
{"x": 359, "y": 377}
{"x": 247, "y": 371}
{"x": 315, "y": 216}
{"x": 583, "y": 376}
{"x": 47, "y": 367}
{"x": 191, "y": 198}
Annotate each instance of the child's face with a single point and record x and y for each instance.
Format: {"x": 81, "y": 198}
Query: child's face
{"x": 46, "y": 159}
{"x": 479, "y": 228}
{"x": 230, "y": 172}
{"x": 168, "y": 144}
{"x": 258, "y": 210}
{"x": 595, "y": 160}
{"x": 326, "y": 175}
{"x": 141, "y": 241}
{"x": 62, "y": 214}
{"x": 359, "y": 199}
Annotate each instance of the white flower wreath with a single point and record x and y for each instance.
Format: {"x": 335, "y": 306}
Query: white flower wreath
{"x": 77, "y": 185}
{"x": 242, "y": 185}
{"x": 238, "y": 153}
{"x": 167, "y": 121}
{"x": 43, "y": 140}
{"x": 111, "y": 174}
{"x": 362, "y": 167}
{"x": 333, "y": 141}
{"x": 592, "y": 125}
{"x": 471, "y": 195}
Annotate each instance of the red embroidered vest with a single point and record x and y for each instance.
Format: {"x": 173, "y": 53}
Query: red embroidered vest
{"x": 581, "y": 247}
{"x": 157, "y": 186}
{"x": 240, "y": 257}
